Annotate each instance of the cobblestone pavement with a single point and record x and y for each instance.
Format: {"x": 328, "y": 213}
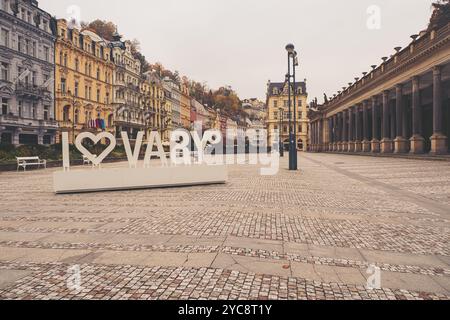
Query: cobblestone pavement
{"x": 311, "y": 234}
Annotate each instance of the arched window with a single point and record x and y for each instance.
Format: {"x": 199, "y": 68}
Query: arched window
{"x": 66, "y": 113}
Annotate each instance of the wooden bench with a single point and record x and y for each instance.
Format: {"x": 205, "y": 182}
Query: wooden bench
{"x": 24, "y": 162}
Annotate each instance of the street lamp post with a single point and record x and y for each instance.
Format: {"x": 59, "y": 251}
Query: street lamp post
{"x": 281, "y": 111}
{"x": 292, "y": 56}
{"x": 295, "y": 64}
{"x": 73, "y": 115}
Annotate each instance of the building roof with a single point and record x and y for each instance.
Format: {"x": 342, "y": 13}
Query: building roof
{"x": 95, "y": 37}
{"x": 280, "y": 86}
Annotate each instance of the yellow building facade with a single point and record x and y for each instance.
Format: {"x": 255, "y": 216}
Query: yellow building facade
{"x": 83, "y": 81}
{"x": 154, "y": 101}
{"x": 185, "y": 102}
{"x": 278, "y": 112}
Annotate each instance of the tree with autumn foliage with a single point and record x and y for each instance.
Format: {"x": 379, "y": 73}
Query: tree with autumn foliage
{"x": 136, "y": 51}
{"x": 104, "y": 29}
{"x": 224, "y": 98}
{"x": 441, "y": 14}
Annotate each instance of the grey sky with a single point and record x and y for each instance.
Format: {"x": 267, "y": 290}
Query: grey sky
{"x": 241, "y": 42}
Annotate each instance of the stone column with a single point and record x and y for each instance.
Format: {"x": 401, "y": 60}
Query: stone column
{"x": 400, "y": 143}
{"x": 339, "y": 130}
{"x": 375, "y": 143}
{"x": 438, "y": 139}
{"x": 335, "y": 133}
{"x": 330, "y": 134}
{"x": 314, "y": 136}
{"x": 386, "y": 142}
{"x": 319, "y": 138}
{"x": 417, "y": 141}
{"x": 344, "y": 131}
{"x": 351, "y": 131}
{"x": 392, "y": 122}
{"x": 366, "y": 142}
{"x": 15, "y": 137}
{"x": 319, "y": 135}
{"x": 358, "y": 143}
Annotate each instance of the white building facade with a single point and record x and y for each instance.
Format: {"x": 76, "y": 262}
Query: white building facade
{"x": 27, "y": 37}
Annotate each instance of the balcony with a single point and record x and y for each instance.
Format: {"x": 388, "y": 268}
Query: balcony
{"x": 48, "y": 124}
{"x": 128, "y": 121}
{"x": 12, "y": 120}
{"x": 119, "y": 101}
{"x": 120, "y": 83}
{"x": 66, "y": 124}
{"x": 30, "y": 91}
{"x": 133, "y": 87}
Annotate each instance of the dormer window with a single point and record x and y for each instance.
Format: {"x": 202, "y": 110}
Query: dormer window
{"x": 275, "y": 91}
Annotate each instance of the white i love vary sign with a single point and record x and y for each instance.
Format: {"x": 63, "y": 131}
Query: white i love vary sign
{"x": 178, "y": 167}
{"x": 170, "y": 173}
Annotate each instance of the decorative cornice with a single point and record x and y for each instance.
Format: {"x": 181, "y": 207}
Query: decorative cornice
{"x": 13, "y": 53}
{"x": 401, "y": 66}
{"x": 19, "y": 22}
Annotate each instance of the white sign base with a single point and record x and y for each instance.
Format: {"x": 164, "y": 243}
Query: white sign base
{"x": 79, "y": 181}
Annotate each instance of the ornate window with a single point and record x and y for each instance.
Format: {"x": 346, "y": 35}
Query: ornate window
{"x": 46, "y": 109}
{"x": 4, "y": 106}
{"x": 4, "y": 72}
{"x": 4, "y": 38}
{"x": 63, "y": 85}
{"x": 20, "y": 43}
{"x": 46, "y": 53}
{"x": 20, "y": 108}
{"x": 33, "y": 111}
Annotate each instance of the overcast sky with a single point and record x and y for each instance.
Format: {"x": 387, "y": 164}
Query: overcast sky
{"x": 241, "y": 42}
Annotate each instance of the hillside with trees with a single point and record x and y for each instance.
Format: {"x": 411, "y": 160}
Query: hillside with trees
{"x": 224, "y": 98}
